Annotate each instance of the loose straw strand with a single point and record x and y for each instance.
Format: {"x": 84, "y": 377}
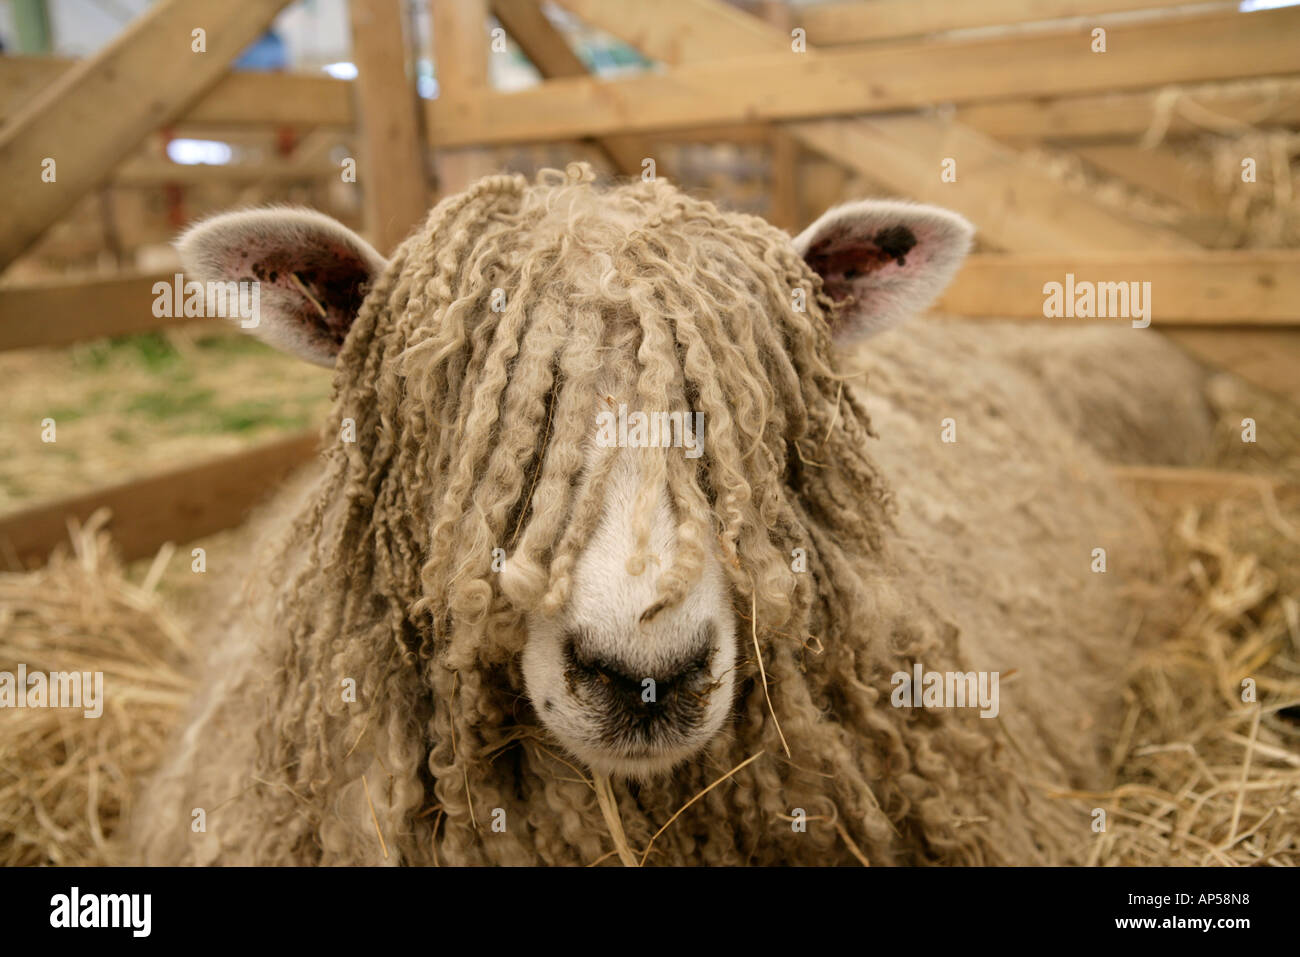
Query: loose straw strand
{"x": 758, "y": 653}
{"x": 609, "y": 811}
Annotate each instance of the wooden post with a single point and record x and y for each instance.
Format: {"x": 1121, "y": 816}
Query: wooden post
{"x": 460, "y": 45}
{"x": 460, "y": 60}
{"x": 783, "y": 149}
{"x": 391, "y": 168}
{"x": 68, "y": 139}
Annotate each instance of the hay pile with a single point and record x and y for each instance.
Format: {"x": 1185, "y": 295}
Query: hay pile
{"x": 67, "y": 781}
{"x": 1203, "y": 777}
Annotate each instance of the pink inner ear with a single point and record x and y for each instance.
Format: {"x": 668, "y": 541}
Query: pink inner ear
{"x": 333, "y": 274}
{"x": 844, "y": 258}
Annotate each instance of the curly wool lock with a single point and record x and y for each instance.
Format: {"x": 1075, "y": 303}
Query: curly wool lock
{"x": 471, "y": 374}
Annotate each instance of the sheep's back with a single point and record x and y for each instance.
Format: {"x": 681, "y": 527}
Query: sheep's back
{"x": 998, "y": 528}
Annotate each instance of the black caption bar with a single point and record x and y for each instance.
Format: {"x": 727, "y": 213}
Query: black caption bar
{"x": 138, "y": 906}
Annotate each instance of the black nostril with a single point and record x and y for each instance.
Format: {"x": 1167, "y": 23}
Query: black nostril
{"x": 629, "y": 690}
{"x": 645, "y": 693}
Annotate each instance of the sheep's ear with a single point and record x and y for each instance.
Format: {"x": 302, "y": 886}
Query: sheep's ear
{"x": 310, "y": 272}
{"x": 891, "y": 258}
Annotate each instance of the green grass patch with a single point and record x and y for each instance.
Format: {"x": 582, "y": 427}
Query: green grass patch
{"x": 164, "y": 405}
{"x": 148, "y": 350}
{"x": 249, "y": 414}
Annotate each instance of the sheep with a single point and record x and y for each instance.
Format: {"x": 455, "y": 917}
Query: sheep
{"x": 476, "y": 635}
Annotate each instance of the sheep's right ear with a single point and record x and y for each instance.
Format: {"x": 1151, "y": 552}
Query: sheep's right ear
{"x": 883, "y": 260}
{"x": 309, "y": 272}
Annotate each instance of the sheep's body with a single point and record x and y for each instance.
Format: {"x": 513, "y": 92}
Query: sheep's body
{"x": 212, "y": 763}
{"x": 1002, "y": 524}
{"x": 988, "y": 568}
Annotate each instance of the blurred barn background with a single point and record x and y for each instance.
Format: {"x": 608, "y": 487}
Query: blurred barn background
{"x": 1118, "y": 140}
{"x": 1167, "y": 158}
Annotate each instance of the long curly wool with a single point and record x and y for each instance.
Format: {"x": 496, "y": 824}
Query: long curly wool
{"x": 471, "y": 378}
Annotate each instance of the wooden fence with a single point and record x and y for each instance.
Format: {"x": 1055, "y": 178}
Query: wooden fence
{"x": 887, "y": 89}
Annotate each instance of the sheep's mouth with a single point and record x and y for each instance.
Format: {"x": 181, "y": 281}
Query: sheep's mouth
{"x": 642, "y": 761}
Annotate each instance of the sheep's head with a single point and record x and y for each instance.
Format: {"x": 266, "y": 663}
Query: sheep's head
{"x": 596, "y": 431}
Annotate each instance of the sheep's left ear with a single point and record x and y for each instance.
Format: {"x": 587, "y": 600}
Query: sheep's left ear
{"x": 891, "y": 258}
{"x": 310, "y": 272}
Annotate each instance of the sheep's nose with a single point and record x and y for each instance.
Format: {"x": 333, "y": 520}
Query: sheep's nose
{"x": 639, "y": 692}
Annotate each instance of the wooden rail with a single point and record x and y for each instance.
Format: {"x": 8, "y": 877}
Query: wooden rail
{"x": 1232, "y": 288}
{"x": 847, "y": 81}
{"x": 1238, "y": 288}
{"x": 1264, "y": 103}
{"x": 175, "y": 506}
{"x": 840, "y": 22}
{"x": 1174, "y": 485}
{"x": 237, "y": 99}
{"x": 63, "y": 312}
